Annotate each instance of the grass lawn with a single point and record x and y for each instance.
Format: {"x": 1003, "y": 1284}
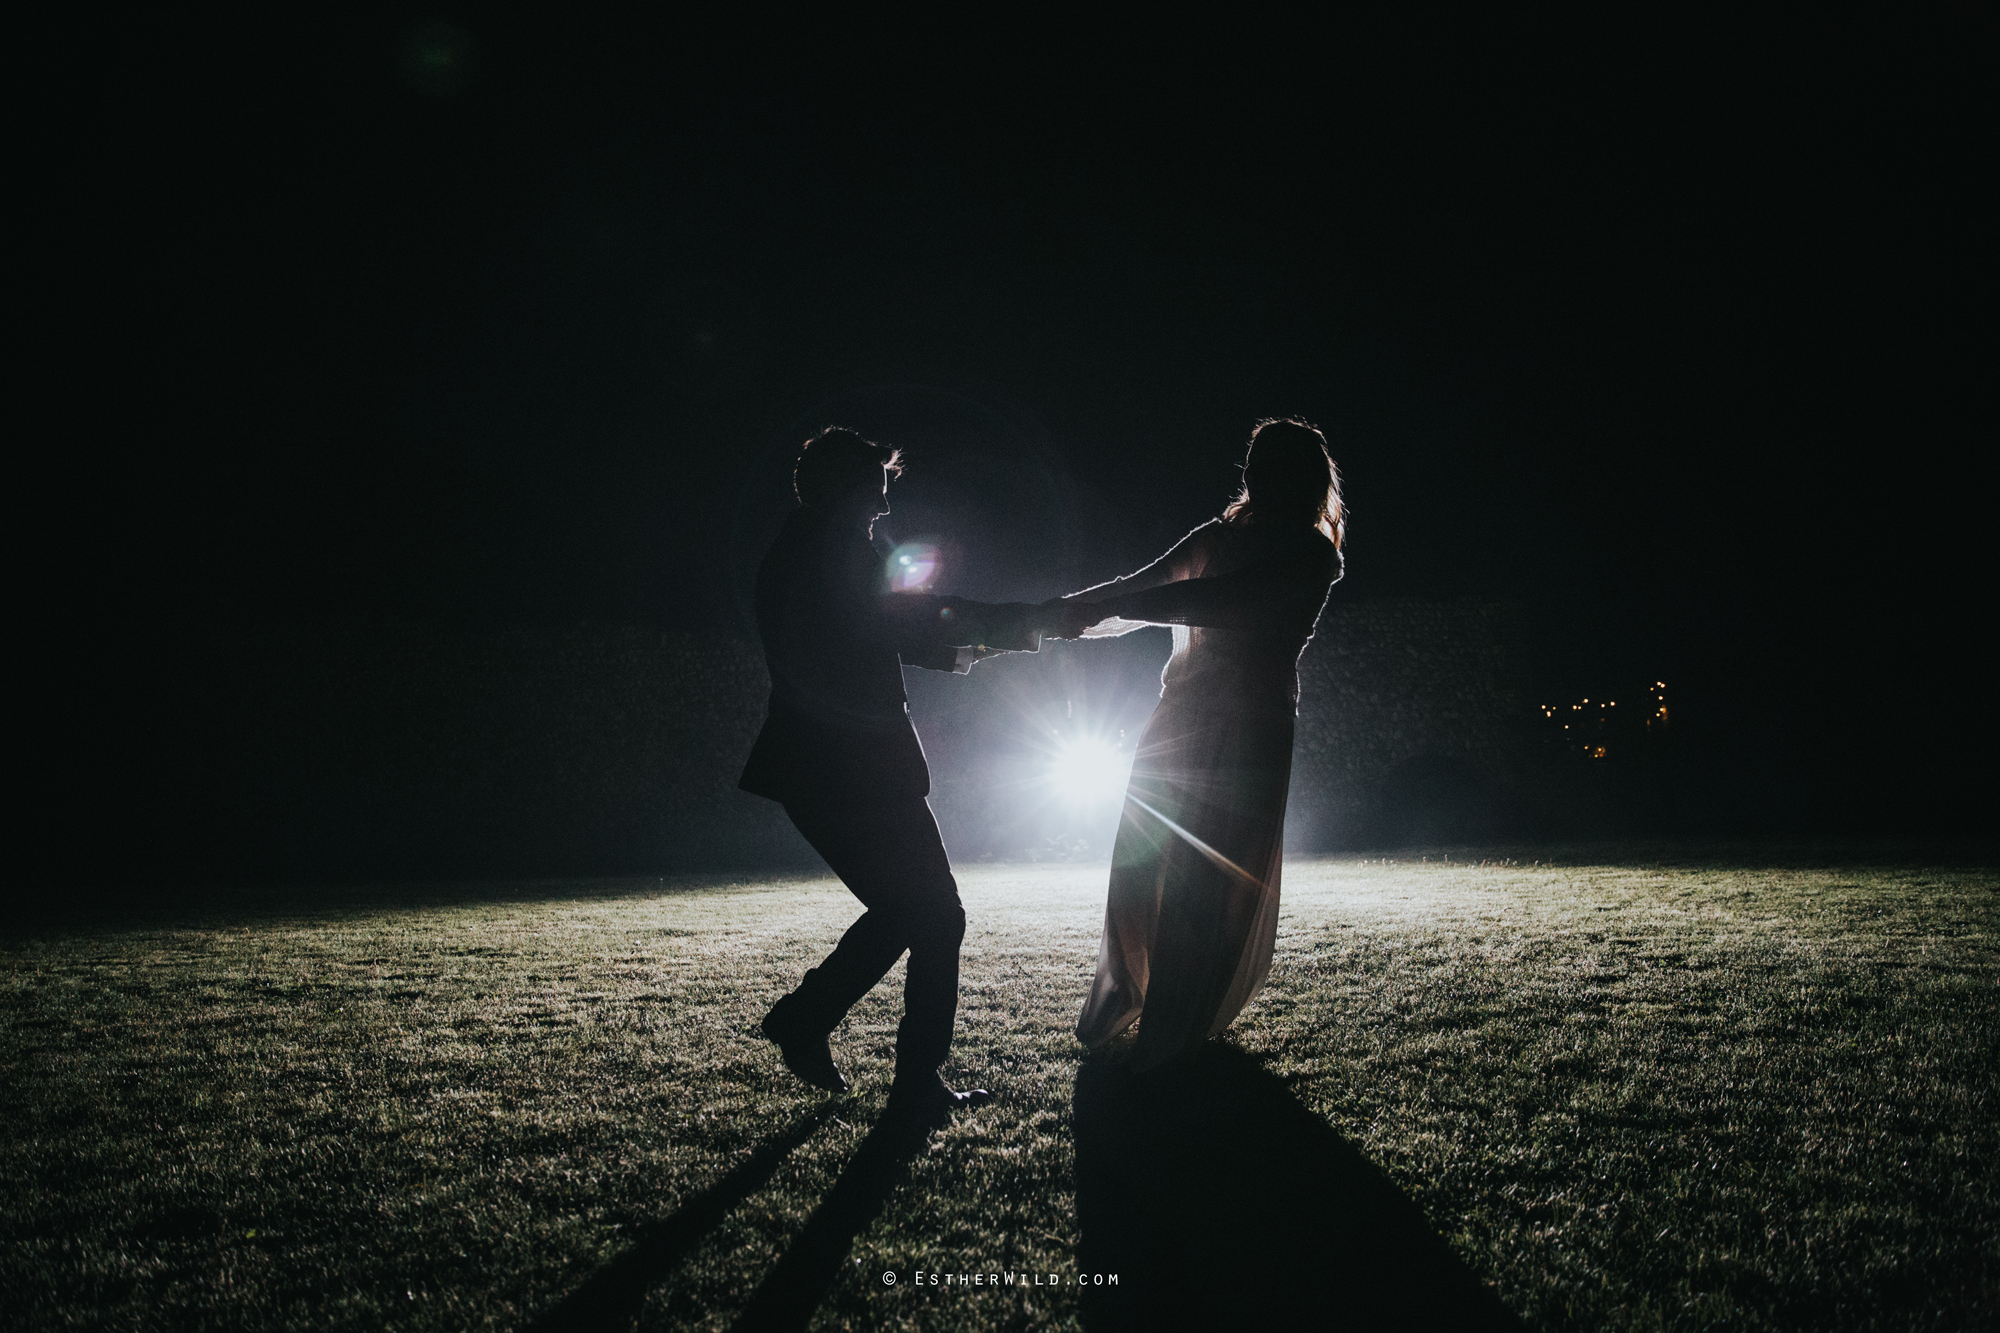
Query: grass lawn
{"x": 1625, "y": 1095}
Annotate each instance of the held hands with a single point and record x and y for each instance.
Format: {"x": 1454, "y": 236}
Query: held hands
{"x": 991, "y": 627}
{"x": 1059, "y": 618}
{"x": 987, "y": 628}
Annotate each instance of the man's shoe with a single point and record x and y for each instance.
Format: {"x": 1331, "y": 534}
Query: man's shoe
{"x": 926, "y": 1100}
{"x": 805, "y": 1054}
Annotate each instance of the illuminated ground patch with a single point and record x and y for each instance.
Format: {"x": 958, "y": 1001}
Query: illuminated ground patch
{"x": 1629, "y": 1096}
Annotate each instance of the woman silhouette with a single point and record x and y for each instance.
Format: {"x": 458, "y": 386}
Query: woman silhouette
{"x": 1192, "y": 912}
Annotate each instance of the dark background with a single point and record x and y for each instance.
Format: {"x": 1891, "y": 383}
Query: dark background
{"x": 1676, "y": 332}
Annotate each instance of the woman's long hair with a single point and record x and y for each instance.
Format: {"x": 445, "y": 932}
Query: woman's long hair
{"x": 1289, "y": 478}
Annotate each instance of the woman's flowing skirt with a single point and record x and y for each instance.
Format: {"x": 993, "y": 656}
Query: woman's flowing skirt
{"x": 1192, "y": 913}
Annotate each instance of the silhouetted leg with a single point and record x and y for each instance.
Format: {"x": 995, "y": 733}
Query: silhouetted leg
{"x": 890, "y": 856}
{"x": 863, "y": 957}
{"x": 930, "y": 987}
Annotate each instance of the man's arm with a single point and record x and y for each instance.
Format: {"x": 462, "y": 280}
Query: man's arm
{"x": 958, "y": 661}
{"x": 918, "y": 623}
{"x": 922, "y": 628}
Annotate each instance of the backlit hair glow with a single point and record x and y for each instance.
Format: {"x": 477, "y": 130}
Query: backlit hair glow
{"x": 1288, "y": 477}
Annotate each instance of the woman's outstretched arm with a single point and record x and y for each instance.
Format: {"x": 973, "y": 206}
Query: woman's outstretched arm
{"x": 1169, "y": 567}
{"x": 1076, "y": 616}
{"x": 1247, "y": 598}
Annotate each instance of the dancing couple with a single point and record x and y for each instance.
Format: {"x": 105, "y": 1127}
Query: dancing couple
{"x": 1193, "y": 903}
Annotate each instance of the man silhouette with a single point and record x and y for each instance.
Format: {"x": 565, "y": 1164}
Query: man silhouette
{"x": 838, "y": 750}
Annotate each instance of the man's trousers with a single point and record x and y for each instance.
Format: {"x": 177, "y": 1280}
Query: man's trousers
{"x": 889, "y": 854}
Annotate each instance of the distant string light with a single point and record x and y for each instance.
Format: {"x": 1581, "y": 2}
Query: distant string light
{"x": 1601, "y": 745}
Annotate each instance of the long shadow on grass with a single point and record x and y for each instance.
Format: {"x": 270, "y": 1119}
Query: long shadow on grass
{"x": 611, "y": 1297}
{"x": 803, "y": 1275}
{"x": 1221, "y": 1201}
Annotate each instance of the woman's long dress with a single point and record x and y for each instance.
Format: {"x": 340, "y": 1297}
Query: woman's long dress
{"x": 1192, "y": 913}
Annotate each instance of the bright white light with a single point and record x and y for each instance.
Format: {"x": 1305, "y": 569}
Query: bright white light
{"x": 1088, "y": 771}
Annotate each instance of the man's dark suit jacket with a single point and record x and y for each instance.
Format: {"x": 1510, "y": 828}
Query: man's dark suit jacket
{"x": 836, "y": 640}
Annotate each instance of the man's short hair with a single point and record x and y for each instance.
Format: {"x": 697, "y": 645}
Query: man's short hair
{"x": 837, "y": 460}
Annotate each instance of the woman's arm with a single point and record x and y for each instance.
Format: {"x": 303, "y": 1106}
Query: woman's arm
{"x": 1244, "y": 599}
{"x": 1169, "y": 567}
{"x": 1079, "y": 615}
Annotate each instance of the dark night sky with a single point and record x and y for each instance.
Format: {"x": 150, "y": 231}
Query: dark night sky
{"x": 1677, "y": 334}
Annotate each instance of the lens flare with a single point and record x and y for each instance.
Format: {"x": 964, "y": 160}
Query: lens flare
{"x": 913, "y": 567}
{"x": 1087, "y": 771}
